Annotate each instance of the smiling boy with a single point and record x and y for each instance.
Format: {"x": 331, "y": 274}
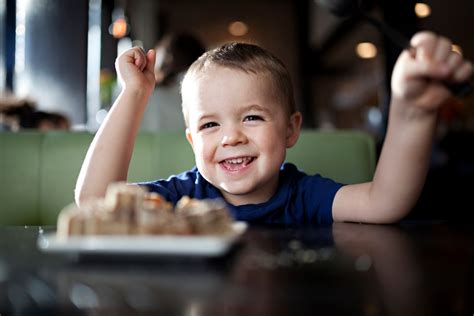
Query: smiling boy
{"x": 241, "y": 117}
{"x": 239, "y": 122}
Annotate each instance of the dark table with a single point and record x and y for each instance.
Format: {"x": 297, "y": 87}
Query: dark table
{"x": 345, "y": 269}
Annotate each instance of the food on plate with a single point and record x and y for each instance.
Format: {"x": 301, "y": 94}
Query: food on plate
{"x": 129, "y": 209}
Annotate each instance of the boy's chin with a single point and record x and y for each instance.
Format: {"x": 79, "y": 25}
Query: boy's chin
{"x": 241, "y": 196}
{"x": 237, "y": 192}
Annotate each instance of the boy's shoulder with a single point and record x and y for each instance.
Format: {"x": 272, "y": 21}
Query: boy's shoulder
{"x": 296, "y": 178}
{"x": 300, "y": 199}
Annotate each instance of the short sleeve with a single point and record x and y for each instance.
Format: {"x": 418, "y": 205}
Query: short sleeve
{"x": 316, "y": 193}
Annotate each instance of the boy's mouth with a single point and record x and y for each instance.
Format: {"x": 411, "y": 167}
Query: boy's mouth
{"x": 235, "y": 164}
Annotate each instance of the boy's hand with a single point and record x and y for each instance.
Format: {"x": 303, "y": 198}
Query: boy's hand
{"x": 135, "y": 69}
{"x": 420, "y": 74}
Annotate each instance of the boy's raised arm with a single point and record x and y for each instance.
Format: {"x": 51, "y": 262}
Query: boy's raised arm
{"x": 418, "y": 92}
{"x": 110, "y": 152}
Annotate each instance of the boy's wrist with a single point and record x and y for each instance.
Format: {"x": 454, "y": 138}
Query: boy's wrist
{"x": 134, "y": 98}
{"x": 411, "y": 112}
{"x": 137, "y": 93}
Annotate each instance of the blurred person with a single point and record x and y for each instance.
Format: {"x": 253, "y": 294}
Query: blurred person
{"x": 45, "y": 121}
{"x": 22, "y": 114}
{"x": 240, "y": 115}
{"x": 174, "y": 54}
{"x": 17, "y": 114}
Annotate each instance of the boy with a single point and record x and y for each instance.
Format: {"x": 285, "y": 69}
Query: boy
{"x": 240, "y": 117}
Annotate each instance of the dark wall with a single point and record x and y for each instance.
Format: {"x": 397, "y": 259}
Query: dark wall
{"x": 56, "y": 56}
{"x": 7, "y": 44}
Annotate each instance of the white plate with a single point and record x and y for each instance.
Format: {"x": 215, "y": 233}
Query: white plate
{"x": 207, "y": 245}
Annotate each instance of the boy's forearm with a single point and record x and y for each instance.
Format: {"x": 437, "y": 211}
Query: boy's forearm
{"x": 418, "y": 92}
{"x": 110, "y": 152}
{"x": 404, "y": 160}
{"x": 399, "y": 176}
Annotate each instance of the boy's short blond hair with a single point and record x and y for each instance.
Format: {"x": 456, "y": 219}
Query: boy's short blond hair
{"x": 248, "y": 58}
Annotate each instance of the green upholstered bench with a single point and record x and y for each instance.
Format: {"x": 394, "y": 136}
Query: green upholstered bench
{"x": 38, "y": 170}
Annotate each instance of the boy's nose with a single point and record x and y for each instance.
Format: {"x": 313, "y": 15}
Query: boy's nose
{"x": 233, "y": 137}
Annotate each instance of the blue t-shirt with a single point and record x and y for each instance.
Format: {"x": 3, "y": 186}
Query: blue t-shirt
{"x": 300, "y": 199}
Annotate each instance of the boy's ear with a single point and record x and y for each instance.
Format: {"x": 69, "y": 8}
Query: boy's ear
{"x": 293, "y": 129}
{"x": 189, "y": 137}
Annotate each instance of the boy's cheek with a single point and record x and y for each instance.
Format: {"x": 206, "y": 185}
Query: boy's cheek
{"x": 199, "y": 157}
{"x": 273, "y": 136}
{"x": 200, "y": 151}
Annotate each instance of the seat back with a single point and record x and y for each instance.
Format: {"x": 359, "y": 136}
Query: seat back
{"x": 62, "y": 157}
{"x": 344, "y": 156}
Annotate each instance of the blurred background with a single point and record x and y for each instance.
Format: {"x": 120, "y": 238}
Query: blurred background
{"x": 58, "y": 56}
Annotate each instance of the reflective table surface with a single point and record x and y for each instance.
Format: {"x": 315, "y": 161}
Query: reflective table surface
{"x": 414, "y": 268}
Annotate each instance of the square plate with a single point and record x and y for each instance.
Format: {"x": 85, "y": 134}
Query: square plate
{"x": 196, "y": 245}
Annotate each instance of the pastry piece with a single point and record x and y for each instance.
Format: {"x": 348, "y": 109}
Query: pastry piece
{"x": 161, "y": 223}
{"x": 109, "y": 226}
{"x": 153, "y": 200}
{"x": 153, "y": 215}
{"x": 69, "y": 222}
{"x": 205, "y": 216}
{"x": 156, "y": 216}
{"x": 100, "y": 219}
{"x": 91, "y": 219}
{"x": 123, "y": 200}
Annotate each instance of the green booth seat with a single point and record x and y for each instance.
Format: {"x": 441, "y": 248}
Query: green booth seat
{"x": 20, "y": 166}
{"x": 345, "y": 156}
{"x": 38, "y": 170}
{"x": 173, "y": 154}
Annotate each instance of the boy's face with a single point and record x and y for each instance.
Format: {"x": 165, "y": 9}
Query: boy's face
{"x": 239, "y": 131}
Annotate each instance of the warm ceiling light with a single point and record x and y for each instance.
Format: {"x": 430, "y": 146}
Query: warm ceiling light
{"x": 119, "y": 28}
{"x": 422, "y": 10}
{"x": 457, "y": 49}
{"x": 238, "y": 28}
{"x": 366, "y": 50}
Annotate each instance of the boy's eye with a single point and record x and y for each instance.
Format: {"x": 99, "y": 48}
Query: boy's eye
{"x": 208, "y": 125}
{"x": 253, "y": 118}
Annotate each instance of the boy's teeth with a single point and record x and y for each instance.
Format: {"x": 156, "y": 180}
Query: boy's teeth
{"x": 238, "y": 160}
